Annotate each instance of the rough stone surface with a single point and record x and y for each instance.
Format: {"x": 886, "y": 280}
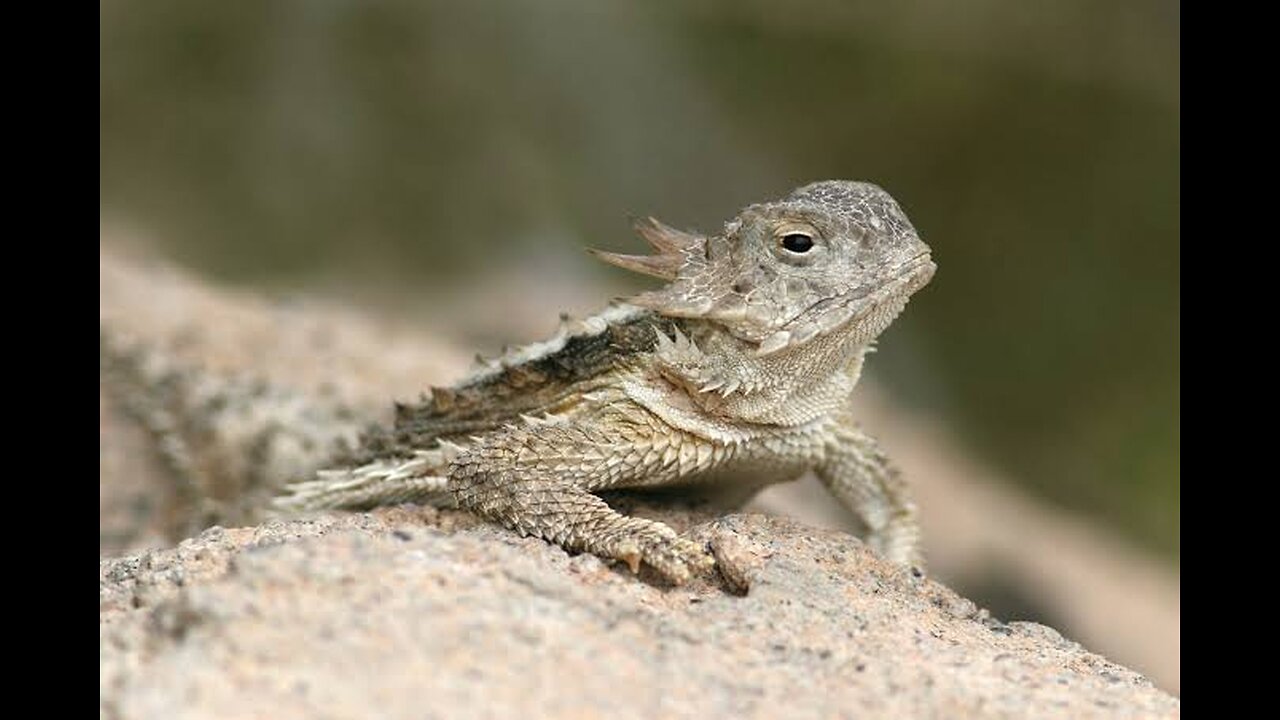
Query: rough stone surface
{"x": 410, "y": 613}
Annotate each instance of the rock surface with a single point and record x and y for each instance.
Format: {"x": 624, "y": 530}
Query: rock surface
{"x": 411, "y": 613}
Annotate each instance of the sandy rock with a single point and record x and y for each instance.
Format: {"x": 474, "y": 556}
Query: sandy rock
{"x": 409, "y": 613}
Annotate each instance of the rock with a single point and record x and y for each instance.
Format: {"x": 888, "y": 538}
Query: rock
{"x": 412, "y": 613}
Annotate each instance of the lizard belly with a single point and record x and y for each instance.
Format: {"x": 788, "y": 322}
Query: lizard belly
{"x": 712, "y": 455}
{"x": 730, "y": 485}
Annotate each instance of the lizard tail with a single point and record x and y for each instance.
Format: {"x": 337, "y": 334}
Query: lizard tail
{"x": 418, "y": 478}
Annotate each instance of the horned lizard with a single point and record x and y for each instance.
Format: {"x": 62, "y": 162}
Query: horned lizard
{"x": 737, "y": 374}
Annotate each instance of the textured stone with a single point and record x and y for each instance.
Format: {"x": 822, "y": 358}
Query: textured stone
{"x": 412, "y": 613}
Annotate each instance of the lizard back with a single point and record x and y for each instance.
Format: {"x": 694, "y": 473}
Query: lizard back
{"x": 544, "y": 377}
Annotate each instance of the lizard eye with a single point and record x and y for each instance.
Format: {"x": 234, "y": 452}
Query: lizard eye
{"x": 797, "y": 242}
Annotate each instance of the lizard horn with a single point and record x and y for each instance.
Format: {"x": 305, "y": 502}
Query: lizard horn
{"x": 670, "y": 245}
{"x": 664, "y": 238}
{"x": 662, "y": 266}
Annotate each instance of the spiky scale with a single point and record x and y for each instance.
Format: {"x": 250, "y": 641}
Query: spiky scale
{"x": 443, "y": 399}
{"x": 402, "y": 410}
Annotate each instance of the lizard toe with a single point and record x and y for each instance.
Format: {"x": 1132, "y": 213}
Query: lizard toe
{"x": 676, "y": 559}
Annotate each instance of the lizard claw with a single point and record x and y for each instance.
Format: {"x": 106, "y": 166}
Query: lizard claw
{"x": 630, "y": 554}
{"x": 675, "y": 558}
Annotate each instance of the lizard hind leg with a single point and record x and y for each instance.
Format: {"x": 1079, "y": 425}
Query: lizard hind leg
{"x": 540, "y": 481}
{"x": 577, "y": 520}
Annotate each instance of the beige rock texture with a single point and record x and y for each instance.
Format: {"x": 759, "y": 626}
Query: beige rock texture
{"x": 411, "y": 613}
{"x": 417, "y": 612}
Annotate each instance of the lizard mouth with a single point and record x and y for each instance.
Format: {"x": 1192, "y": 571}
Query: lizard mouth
{"x": 866, "y": 309}
{"x": 900, "y": 282}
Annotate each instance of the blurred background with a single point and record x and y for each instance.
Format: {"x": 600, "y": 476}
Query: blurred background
{"x": 447, "y": 161}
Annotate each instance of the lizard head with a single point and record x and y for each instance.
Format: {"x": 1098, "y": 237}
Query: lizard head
{"x": 833, "y": 256}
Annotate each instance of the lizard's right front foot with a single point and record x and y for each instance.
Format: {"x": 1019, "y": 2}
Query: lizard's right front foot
{"x": 675, "y": 558}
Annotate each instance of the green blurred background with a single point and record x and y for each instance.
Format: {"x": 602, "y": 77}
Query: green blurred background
{"x": 411, "y": 147}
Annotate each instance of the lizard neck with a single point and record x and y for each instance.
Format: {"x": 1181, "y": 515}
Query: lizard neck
{"x": 792, "y": 387}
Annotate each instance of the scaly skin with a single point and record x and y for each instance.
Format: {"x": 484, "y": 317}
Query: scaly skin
{"x": 738, "y": 371}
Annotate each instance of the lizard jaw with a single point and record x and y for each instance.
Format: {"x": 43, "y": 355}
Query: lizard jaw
{"x": 866, "y": 314}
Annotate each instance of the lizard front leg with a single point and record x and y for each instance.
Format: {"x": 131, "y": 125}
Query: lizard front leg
{"x": 859, "y": 475}
{"x": 539, "y": 480}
